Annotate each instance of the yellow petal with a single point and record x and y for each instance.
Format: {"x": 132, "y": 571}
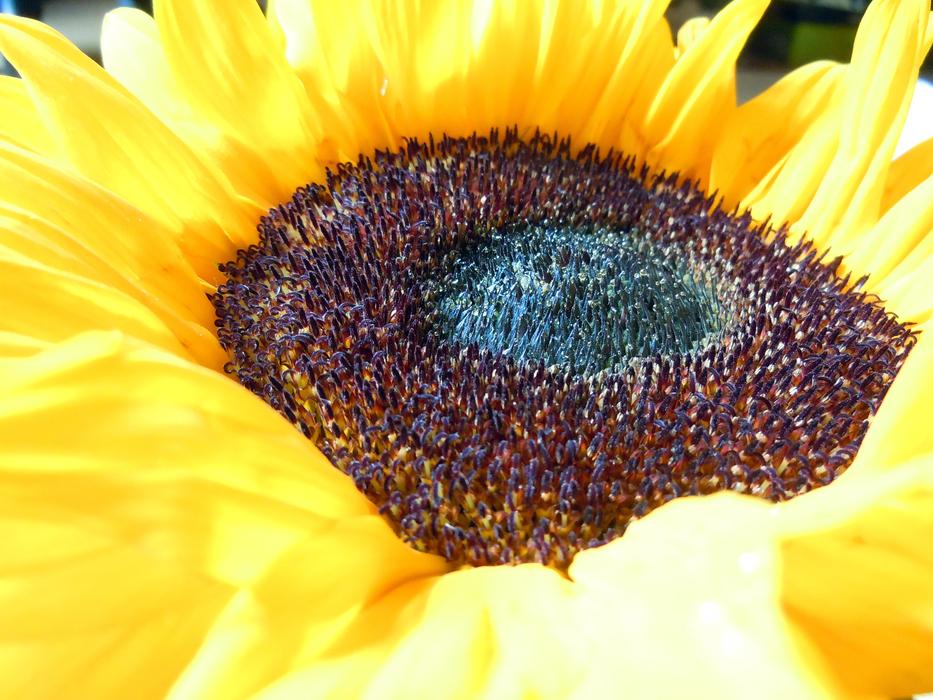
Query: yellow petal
{"x": 689, "y": 33}
{"x": 706, "y": 581}
{"x": 51, "y": 305}
{"x": 488, "y": 633}
{"x": 348, "y": 675}
{"x": 83, "y": 611}
{"x": 928, "y": 34}
{"x": 696, "y": 581}
{"x": 762, "y": 131}
{"x": 336, "y": 62}
{"x": 695, "y": 584}
{"x": 132, "y": 53}
{"x": 329, "y": 596}
{"x": 106, "y": 135}
{"x": 494, "y": 632}
{"x": 236, "y": 78}
{"x": 901, "y": 238}
{"x": 857, "y": 567}
{"x": 421, "y": 55}
{"x": 177, "y": 459}
{"x": 698, "y": 95}
{"x": 19, "y": 345}
{"x": 911, "y": 294}
{"x": 91, "y": 585}
{"x": 886, "y": 59}
{"x": 899, "y": 432}
{"x": 907, "y": 172}
{"x": 456, "y": 68}
{"x": 503, "y": 38}
{"x": 60, "y": 220}
{"x": 827, "y": 595}
{"x": 784, "y": 192}
{"x": 641, "y": 56}
{"x": 431, "y": 66}
{"x": 21, "y": 122}
{"x": 831, "y": 183}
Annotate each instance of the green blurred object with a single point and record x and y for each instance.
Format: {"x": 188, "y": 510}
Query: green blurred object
{"x": 811, "y": 41}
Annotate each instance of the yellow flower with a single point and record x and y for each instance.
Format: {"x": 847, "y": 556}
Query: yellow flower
{"x": 166, "y": 532}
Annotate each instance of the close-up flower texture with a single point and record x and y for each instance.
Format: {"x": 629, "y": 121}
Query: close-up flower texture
{"x": 462, "y": 349}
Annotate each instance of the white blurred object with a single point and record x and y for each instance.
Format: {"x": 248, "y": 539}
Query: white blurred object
{"x": 919, "y": 125}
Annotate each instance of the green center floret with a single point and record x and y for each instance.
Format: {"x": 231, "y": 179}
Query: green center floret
{"x": 585, "y": 300}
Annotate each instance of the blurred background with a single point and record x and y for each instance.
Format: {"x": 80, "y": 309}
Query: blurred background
{"x": 792, "y": 32}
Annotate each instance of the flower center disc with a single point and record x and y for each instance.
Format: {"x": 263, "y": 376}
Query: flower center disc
{"x": 516, "y": 350}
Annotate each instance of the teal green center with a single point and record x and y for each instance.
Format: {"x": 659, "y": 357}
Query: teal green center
{"x": 587, "y": 300}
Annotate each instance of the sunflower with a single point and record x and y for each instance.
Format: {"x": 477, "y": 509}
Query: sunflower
{"x": 550, "y": 371}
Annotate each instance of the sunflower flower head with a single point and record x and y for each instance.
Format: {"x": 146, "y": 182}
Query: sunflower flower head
{"x": 462, "y": 349}
{"x": 537, "y": 348}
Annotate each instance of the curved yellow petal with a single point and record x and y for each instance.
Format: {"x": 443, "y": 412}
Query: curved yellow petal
{"x": 910, "y": 293}
{"x": 762, "y": 131}
{"x": 124, "y": 517}
{"x": 61, "y": 220}
{"x": 825, "y": 596}
{"x": 689, "y": 33}
{"x": 133, "y": 54}
{"x": 422, "y": 57}
{"x": 52, "y": 305}
{"x": 443, "y": 67}
{"x": 339, "y": 70}
{"x": 900, "y": 430}
{"x": 886, "y": 58}
{"x": 584, "y": 71}
{"x": 496, "y": 632}
{"x": 698, "y": 581}
{"x": 697, "y": 96}
{"x": 728, "y": 570}
{"x": 783, "y": 193}
{"x": 331, "y": 595}
{"x": 496, "y": 622}
{"x": 105, "y": 134}
{"x": 831, "y": 183}
{"x": 145, "y": 488}
{"x": 645, "y": 57}
{"x": 857, "y": 567}
{"x": 176, "y": 458}
{"x": 696, "y": 584}
{"x": 468, "y": 47}
{"x": 907, "y": 172}
{"x": 20, "y": 345}
{"x": 902, "y": 236}
{"x": 21, "y": 122}
{"x": 236, "y": 78}
{"x": 84, "y": 613}
{"x": 928, "y": 33}
{"x": 411, "y": 70}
